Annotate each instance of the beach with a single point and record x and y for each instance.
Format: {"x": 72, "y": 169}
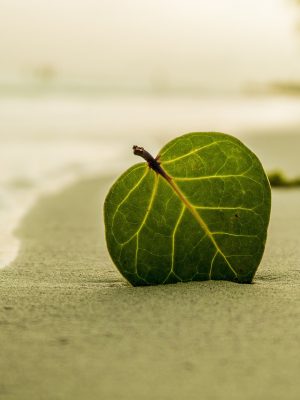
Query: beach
{"x": 72, "y": 328}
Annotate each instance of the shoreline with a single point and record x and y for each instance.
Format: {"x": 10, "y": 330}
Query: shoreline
{"x": 48, "y": 142}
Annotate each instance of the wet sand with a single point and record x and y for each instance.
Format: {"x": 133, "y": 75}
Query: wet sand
{"x": 72, "y": 328}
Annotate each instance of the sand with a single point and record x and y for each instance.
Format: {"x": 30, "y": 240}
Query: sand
{"x": 72, "y": 328}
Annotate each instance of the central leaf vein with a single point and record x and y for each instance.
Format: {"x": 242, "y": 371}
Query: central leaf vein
{"x": 200, "y": 220}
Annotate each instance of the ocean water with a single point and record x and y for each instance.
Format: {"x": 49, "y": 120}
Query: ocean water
{"x": 49, "y": 142}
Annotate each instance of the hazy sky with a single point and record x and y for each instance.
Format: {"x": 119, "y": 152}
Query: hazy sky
{"x": 209, "y": 43}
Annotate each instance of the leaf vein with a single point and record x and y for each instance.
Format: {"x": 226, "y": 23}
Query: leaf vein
{"x": 212, "y": 264}
{"x": 129, "y": 193}
{"x": 154, "y": 191}
{"x": 200, "y": 178}
{"x": 173, "y": 241}
{"x": 234, "y": 234}
{"x": 193, "y": 152}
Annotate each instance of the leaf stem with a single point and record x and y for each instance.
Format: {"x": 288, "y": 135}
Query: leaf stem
{"x": 152, "y": 162}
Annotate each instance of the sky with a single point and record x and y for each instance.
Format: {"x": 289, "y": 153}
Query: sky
{"x": 212, "y": 45}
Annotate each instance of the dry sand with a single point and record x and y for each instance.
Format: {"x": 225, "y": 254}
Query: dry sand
{"x": 71, "y": 328}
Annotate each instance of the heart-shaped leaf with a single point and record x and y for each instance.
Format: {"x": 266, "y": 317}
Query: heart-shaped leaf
{"x": 199, "y": 211}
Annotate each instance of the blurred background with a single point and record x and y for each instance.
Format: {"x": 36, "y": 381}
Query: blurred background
{"x": 82, "y": 81}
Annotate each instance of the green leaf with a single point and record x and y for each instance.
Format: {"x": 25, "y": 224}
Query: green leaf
{"x": 201, "y": 214}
